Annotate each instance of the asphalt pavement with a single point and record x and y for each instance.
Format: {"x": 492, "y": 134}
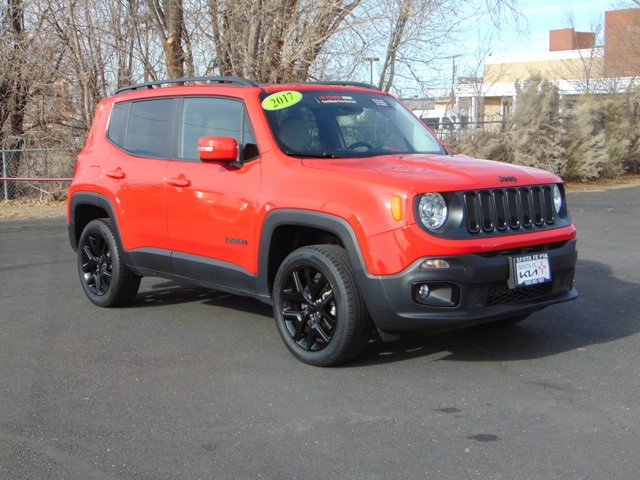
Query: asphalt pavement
{"x": 193, "y": 384}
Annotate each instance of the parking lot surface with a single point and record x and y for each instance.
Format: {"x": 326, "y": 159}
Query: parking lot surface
{"x": 189, "y": 383}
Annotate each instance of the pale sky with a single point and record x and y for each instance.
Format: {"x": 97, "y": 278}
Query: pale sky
{"x": 540, "y": 16}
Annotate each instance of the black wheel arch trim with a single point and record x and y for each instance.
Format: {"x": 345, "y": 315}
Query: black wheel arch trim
{"x": 94, "y": 200}
{"x": 305, "y": 218}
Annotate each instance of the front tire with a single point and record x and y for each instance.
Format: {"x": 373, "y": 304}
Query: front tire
{"x": 105, "y": 278}
{"x": 318, "y": 308}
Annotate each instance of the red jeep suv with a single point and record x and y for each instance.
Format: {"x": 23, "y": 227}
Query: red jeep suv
{"x": 331, "y": 202}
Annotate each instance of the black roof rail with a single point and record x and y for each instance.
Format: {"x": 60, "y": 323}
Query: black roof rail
{"x": 346, "y": 84}
{"x": 230, "y": 80}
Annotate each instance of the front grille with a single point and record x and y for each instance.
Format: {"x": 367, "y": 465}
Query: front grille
{"x": 501, "y": 294}
{"x": 504, "y": 210}
{"x": 489, "y": 295}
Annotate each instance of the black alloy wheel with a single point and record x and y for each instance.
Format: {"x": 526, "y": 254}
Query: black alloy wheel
{"x": 105, "y": 278}
{"x": 318, "y": 308}
{"x": 97, "y": 267}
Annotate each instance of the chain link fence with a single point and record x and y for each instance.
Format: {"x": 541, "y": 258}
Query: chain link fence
{"x": 448, "y": 129}
{"x": 36, "y": 174}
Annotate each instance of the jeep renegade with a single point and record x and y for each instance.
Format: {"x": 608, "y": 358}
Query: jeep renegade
{"x": 331, "y": 202}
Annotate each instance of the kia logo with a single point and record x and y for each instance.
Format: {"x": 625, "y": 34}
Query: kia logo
{"x": 508, "y": 179}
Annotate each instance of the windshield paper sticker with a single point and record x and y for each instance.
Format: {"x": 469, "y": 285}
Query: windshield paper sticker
{"x": 336, "y": 99}
{"x": 379, "y": 102}
{"x": 281, "y": 100}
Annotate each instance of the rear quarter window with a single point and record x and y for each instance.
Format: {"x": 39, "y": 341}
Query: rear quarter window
{"x": 117, "y": 122}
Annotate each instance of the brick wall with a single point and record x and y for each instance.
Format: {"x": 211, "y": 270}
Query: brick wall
{"x": 622, "y": 43}
{"x": 569, "y": 39}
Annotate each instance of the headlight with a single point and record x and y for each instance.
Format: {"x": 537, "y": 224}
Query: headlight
{"x": 432, "y": 210}
{"x": 557, "y": 198}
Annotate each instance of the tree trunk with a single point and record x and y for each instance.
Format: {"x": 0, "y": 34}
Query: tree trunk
{"x": 13, "y": 94}
{"x": 168, "y": 20}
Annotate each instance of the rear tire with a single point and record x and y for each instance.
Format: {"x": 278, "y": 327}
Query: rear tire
{"x": 105, "y": 278}
{"x": 318, "y": 308}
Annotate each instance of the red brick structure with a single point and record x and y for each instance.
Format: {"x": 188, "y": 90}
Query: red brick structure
{"x": 569, "y": 39}
{"x": 622, "y": 43}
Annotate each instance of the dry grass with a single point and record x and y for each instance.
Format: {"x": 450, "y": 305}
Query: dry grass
{"x": 599, "y": 185}
{"x": 31, "y": 208}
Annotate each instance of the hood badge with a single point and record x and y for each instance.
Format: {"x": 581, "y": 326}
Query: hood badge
{"x": 508, "y": 179}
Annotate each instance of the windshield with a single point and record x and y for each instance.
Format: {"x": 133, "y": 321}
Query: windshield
{"x": 335, "y": 124}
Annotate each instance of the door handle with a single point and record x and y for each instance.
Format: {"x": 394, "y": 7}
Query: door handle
{"x": 179, "y": 182}
{"x": 116, "y": 174}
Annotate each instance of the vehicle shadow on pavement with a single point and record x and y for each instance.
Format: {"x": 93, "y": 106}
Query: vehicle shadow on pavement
{"x": 167, "y": 292}
{"x": 606, "y": 310}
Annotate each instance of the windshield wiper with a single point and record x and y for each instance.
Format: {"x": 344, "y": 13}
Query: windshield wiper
{"x": 310, "y": 154}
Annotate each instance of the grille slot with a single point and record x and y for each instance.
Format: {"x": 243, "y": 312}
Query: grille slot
{"x": 538, "y": 205}
{"x": 501, "y": 295}
{"x": 492, "y": 294}
{"x": 472, "y": 214}
{"x": 515, "y": 209}
{"x": 499, "y": 198}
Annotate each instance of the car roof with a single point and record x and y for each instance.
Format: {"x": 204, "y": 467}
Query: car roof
{"x": 204, "y": 84}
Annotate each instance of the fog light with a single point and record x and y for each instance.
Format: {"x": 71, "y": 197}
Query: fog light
{"x": 436, "y": 294}
{"x": 424, "y": 291}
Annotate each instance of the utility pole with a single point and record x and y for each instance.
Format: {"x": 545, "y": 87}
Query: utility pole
{"x": 453, "y": 77}
{"x": 371, "y": 60}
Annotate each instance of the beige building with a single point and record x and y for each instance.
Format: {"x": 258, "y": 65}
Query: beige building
{"x": 573, "y": 62}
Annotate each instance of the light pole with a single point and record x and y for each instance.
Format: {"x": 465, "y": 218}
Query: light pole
{"x": 453, "y": 77}
{"x": 371, "y": 60}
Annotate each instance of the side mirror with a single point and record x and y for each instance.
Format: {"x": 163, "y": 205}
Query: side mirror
{"x": 218, "y": 149}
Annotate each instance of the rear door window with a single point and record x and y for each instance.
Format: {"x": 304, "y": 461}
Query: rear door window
{"x": 148, "y": 131}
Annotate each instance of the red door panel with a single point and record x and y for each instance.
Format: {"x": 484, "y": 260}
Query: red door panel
{"x": 211, "y": 210}
{"x": 138, "y": 185}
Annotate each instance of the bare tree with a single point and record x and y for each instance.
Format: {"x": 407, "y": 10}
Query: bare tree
{"x": 405, "y": 40}
{"x": 12, "y": 87}
{"x": 274, "y": 40}
{"x": 74, "y": 24}
{"x": 414, "y": 29}
{"x": 397, "y": 37}
{"x": 125, "y": 17}
{"x": 168, "y": 20}
{"x": 13, "y": 79}
{"x": 79, "y": 51}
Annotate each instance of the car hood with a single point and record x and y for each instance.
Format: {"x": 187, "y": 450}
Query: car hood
{"x": 436, "y": 172}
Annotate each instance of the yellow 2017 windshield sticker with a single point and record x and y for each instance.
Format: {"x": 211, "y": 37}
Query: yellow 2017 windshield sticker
{"x": 280, "y": 100}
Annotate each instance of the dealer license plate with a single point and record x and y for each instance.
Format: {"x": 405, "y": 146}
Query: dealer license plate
{"x": 529, "y": 270}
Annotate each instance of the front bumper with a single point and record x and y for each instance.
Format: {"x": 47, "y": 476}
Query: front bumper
{"x": 471, "y": 291}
